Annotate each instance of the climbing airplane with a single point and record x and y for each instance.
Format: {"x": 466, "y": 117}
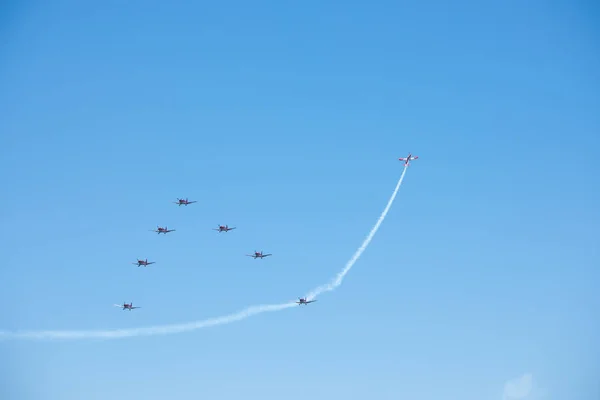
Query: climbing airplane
{"x": 408, "y": 159}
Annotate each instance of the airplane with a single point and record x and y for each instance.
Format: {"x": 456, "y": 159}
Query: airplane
{"x": 408, "y": 159}
{"x": 164, "y": 230}
{"x": 143, "y": 263}
{"x": 258, "y": 254}
{"x": 184, "y": 202}
{"x": 304, "y": 301}
{"x": 126, "y": 306}
{"x": 222, "y": 228}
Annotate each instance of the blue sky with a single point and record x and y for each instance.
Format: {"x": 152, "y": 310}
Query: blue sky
{"x": 286, "y": 119}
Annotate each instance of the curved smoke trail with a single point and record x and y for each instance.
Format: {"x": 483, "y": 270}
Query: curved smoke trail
{"x": 191, "y": 326}
{"x": 340, "y": 276}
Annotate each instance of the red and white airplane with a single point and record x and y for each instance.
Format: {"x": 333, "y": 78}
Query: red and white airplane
{"x": 126, "y": 306}
{"x": 304, "y": 301}
{"x": 184, "y": 202}
{"x": 164, "y": 230}
{"x": 143, "y": 263}
{"x": 223, "y": 228}
{"x": 408, "y": 159}
{"x": 258, "y": 254}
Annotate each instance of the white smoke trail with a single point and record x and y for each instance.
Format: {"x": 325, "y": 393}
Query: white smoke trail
{"x": 340, "y": 276}
{"x": 148, "y": 331}
{"x": 191, "y": 326}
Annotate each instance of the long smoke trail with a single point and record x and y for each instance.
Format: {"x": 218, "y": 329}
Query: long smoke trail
{"x": 191, "y": 326}
{"x": 148, "y": 331}
{"x": 340, "y": 276}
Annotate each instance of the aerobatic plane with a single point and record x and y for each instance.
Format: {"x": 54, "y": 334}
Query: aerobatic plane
{"x": 408, "y": 159}
{"x": 222, "y": 228}
{"x": 126, "y": 306}
{"x": 304, "y": 301}
{"x": 143, "y": 263}
{"x": 184, "y": 202}
{"x": 258, "y": 254}
{"x": 164, "y": 230}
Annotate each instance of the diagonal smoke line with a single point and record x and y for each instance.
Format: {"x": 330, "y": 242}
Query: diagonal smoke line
{"x": 340, "y": 277}
{"x": 226, "y": 319}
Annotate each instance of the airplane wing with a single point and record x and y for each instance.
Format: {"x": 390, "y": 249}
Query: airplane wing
{"x": 310, "y": 301}
{"x": 267, "y": 255}
{"x": 135, "y": 307}
{"x": 190, "y": 202}
{"x": 230, "y": 229}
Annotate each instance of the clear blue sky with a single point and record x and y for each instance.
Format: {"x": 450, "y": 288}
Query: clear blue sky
{"x": 286, "y": 119}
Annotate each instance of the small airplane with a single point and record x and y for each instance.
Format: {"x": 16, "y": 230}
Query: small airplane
{"x": 126, "y": 306}
{"x": 184, "y": 202}
{"x": 258, "y": 254}
{"x": 143, "y": 263}
{"x": 304, "y": 301}
{"x": 408, "y": 159}
{"x": 222, "y": 228}
{"x": 164, "y": 230}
